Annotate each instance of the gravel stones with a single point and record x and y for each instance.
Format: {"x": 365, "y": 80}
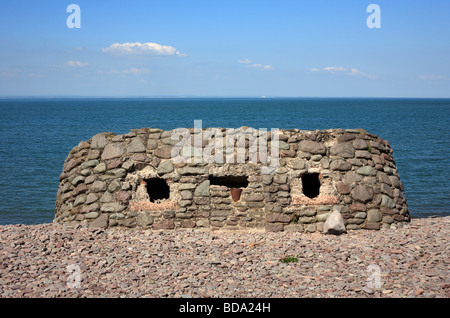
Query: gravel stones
{"x": 412, "y": 261}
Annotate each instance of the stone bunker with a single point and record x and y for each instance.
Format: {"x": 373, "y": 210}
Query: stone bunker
{"x": 288, "y": 180}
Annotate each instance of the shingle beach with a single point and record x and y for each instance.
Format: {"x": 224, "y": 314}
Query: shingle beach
{"x": 52, "y": 260}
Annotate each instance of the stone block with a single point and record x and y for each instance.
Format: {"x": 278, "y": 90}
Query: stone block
{"x": 344, "y": 150}
{"x": 343, "y": 188}
{"x": 112, "y": 207}
{"x": 91, "y": 215}
{"x": 280, "y": 178}
{"x": 113, "y": 150}
{"x": 334, "y": 224}
{"x": 274, "y": 227}
{"x": 164, "y": 225}
{"x": 374, "y": 216}
{"x": 164, "y": 152}
{"x": 99, "y": 141}
{"x": 294, "y": 228}
{"x": 387, "y": 202}
{"x": 312, "y": 147}
{"x": 367, "y": 171}
{"x": 186, "y": 195}
{"x": 360, "y": 144}
{"x": 278, "y": 217}
{"x": 362, "y": 194}
{"x": 100, "y": 222}
{"x": 254, "y": 197}
{"x": 192, "y": 171}
{"x": 357, "y": 206}
{"x": 371, "y": 226}
{"x": 203, "y": 189}
{"x": 340, "y": 165}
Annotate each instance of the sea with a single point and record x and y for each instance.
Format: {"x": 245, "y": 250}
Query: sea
{"x": 36, "y": 135}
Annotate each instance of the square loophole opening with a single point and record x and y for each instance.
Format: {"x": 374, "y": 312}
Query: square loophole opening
{"x": 157, "y": 189}
{"x": 311, "y": 185}
{"x": 230, "y": 181}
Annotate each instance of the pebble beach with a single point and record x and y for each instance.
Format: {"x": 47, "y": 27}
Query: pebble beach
{"x": 56, "y": 261}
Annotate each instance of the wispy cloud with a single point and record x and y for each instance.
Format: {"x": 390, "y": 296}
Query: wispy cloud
{"x": 136, "y": 71}
{"x": 17, "y": 72}
{"x": 12, "y": 73}
{"x": 138, "y": 48}
{"x": 344, "y": 71}
{"x": 131, "y": 70}
{"x": 76, "y": 64}
{"x": 334, "y": 69}
{"x": 34, "y": 75}
{"x": 255, "y": 65}
{"x": 432, "y": 77}
{"x": 246, "y": 61}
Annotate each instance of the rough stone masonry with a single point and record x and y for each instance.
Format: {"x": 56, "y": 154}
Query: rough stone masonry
{"x": 133, "y": 181}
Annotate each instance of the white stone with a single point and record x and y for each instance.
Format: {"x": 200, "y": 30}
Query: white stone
{"x": 334, "y": 223}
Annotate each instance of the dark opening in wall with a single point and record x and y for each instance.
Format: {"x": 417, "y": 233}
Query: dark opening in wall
{"x": 311, "y": 185}
{"x": 157, "y": 189}
{"x": 230, "y": 181}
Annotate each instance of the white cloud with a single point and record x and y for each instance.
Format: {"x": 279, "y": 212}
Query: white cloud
{"x": 355, "y": 72}
{"x": 76, "y": 64}
{"x": 246, "y": 61}
{"x": 255, "y": 65}
{"x": 342, "y": 70}
{"x": 333, "y": 69}
{"x": 264, "y": 67}
{"x": 138, "y": 48}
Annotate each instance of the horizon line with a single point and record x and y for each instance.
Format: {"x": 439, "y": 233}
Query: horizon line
{"x": 203, "y": 97}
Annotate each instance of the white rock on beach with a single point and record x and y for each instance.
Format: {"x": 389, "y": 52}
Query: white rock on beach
{"x": 334, "y": 224}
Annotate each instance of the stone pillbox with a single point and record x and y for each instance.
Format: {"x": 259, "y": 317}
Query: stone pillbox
{"x": 226, "y": 179}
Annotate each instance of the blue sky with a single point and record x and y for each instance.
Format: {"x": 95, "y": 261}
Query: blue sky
{"x": 225, "y": 48}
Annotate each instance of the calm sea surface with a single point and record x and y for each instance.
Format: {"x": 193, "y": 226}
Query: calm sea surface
{"x": 36, "y": 136}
